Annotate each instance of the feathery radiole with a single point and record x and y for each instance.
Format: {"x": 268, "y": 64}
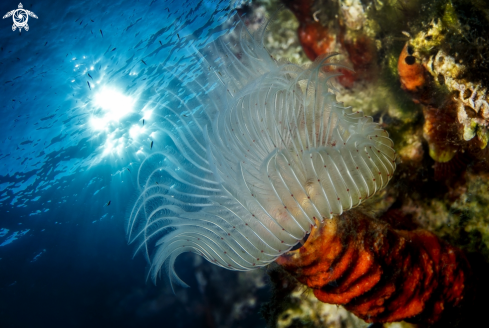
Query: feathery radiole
{"x": 258, "y": 150}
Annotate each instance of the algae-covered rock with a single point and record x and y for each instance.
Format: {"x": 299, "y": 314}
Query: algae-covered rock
{"x": 293, "y": 305}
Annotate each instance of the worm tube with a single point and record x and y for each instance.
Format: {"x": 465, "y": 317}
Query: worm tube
{"x": 379, "y": 273}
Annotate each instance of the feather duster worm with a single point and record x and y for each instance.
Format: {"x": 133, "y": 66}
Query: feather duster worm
{"x": 257, "y": 150}
{"x": 379, "y": 273}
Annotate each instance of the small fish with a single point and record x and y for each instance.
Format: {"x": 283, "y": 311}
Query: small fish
{"x": 143, "y": 122}
{"x": 45, "y": 43}
{"x": 156, "y": 182}
{"x": 89, "y": 85}
{"x": 167, "y": 9}
{"x": 101, "y": 33}
{"x": 143, "y": 62}
{"x": 92, "y": 20}
{"x": 90, "y": 76}
{"x": 178, "y": 36}
{"x": 108, "y": 203}
{"x": 128, "y": 169}
{"x": 151, "y": 145}
{"x": 160, "y": 43}
{"x": 81, "y": 22}
{"x": 114, "y": 49}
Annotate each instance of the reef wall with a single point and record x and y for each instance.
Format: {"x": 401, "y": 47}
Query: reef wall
{"x": 420, "y": 67}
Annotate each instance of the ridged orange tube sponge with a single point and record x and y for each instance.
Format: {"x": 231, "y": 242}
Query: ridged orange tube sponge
{"x": 379, "y": 273}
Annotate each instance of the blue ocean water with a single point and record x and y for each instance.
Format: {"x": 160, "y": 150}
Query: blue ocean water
{"x": 77, "y": 94}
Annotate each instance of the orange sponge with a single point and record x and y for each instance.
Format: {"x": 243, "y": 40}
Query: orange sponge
{"x": 379, "y": 273}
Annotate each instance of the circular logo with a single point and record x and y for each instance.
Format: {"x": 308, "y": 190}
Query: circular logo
{"x": 20, "y": 17}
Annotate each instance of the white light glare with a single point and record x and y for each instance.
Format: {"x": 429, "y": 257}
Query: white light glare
{"x": 147, "y": 114}
{"x": 113, "y": 146}
{"x": 115, "y": 106}
{"x": 135, "y": 131}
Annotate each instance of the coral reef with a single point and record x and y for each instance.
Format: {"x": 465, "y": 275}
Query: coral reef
{"x": 442, "y": 66}
{"x": 319, "y": 36}
{"x": 379, "y": 273}
{"x": 435, "y": 66}
{"x": 281, "y": 41}
{"x": 421, "y": 69}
